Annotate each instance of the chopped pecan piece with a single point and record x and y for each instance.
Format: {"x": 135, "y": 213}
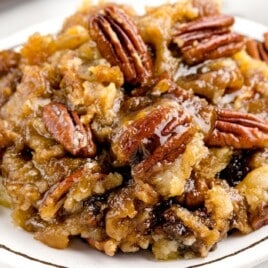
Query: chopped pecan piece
{"x": 258, "y": 50}
{"x": 195, "y": 192}
{"x": 53, "y": 199}
{"x": 155, "y": 137}
{"x": 207, "y": 38}
{"x": 119, "y": 43}
{"x": 67, "y": 129}
{"x": 239, "y": 130}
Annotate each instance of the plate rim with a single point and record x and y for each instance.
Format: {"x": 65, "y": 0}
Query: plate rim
{"x": 204, "y": 264}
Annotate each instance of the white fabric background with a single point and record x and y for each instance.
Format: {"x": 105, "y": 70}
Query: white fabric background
{"x": 15, "y": 15}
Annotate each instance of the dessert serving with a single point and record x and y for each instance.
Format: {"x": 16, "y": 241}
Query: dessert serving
{"x": 137, "y": 132}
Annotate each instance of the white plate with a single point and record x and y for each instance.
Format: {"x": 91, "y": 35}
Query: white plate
{"x": 19, "y": 249}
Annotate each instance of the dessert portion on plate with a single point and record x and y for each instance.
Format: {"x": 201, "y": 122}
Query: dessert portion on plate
{"x": 136, "y": 132}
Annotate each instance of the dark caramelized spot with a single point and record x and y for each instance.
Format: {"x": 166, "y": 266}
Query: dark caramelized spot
{"x": 95, "y": 203}
{"x": 158, "y": 212}
{"x": 26, "y": 154}
{"x": 238, "y": 168}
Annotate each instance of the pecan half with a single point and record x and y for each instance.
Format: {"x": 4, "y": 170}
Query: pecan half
{"x": 258, "y": 50}
{"x": 155, "y": 137}
{"x": 119, "y": 43}
{"x": 239, "y": 130}
{"x": 67, "y": 129}
{"x": 207, "y": 38}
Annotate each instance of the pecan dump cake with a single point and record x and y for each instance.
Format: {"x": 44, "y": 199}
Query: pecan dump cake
{"x": 136, "y": 132}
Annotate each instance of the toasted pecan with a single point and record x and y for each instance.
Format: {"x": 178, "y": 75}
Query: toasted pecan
{"x": 157, "y": 135}
{"x": 119, "y": 42}
{"x": 239, "y": 130}
{"x": 67, "y": 129}
{"x": 207, "y": 38}
{"x": 203, "y": 23}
